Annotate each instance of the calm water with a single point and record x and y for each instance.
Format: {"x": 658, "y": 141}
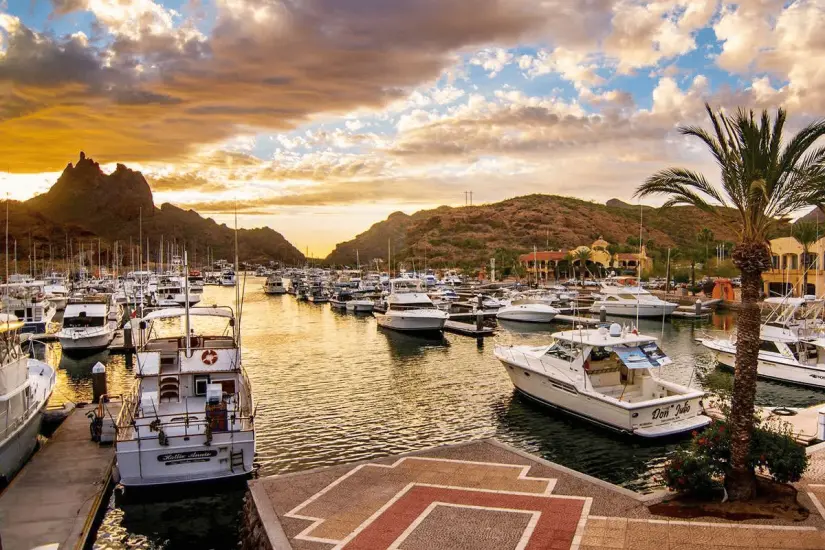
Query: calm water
{"x": 333, "y": 388}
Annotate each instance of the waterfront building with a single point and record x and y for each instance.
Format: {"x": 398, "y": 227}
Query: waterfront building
{"x": 788, "y": 266}
{"x": 551, "y": 264}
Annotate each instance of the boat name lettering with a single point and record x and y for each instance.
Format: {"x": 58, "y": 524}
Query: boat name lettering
{"x": 192, "y": 455}
{"x": 659, "y": 414}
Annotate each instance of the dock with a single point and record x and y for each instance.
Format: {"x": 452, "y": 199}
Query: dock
{"x": 803, "y": 421}
{"x": 471, "y": 316}
{"x": 467, "y": 329}
{"x": 55, "y": 497}
{"x": 118, "y": 344}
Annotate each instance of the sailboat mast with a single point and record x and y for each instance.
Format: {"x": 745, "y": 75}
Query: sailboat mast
{"x": 7, "y": 244}
{"x": 186, "y": 305}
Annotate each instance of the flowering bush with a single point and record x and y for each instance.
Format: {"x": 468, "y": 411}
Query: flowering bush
{"x": 700, "y": 467}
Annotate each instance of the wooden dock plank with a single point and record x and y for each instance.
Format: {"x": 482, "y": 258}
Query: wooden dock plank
{"x": 587, "y": 321}
{"x": 51, "y": 499}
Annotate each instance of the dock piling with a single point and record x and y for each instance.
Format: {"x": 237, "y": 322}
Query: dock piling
{"x": 98, "y": 382}
{"x": 602, "y": 314}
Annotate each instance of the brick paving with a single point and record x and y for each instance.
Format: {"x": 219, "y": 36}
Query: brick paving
{"x": 487, "y": 496}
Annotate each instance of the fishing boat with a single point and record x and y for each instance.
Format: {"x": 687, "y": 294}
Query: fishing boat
{"x": 360, "y": 304}
{"x": 527, "y": 313}
{"x": 88, "y": 325}
{"x": 409, "y": 309}
{"x": 340, "y": 298}
{"x": 630, "y": 301}
{"x": 227, "y": 278}
{"x": 190, "y": 415}
{"x": 28, "y": 303}
{"x": 792, "y": 343}
{"x": 274, "y": 285}
{"x": 56, "y": 289}
{"x": 169, "y": 292}
{"x": 25, "y": 388}
{"x": 610, "y": 376}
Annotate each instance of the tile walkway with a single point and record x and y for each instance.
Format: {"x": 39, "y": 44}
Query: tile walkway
{"x": 487, "y": 496}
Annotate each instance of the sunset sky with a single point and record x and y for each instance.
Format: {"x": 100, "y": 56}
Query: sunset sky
{"x": 321, "y": 117}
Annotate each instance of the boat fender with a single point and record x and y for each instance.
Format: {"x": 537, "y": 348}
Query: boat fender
{"x": 209, "y": 357}
{"x": 587, "y": 365}
{"x": 783, "y": 411}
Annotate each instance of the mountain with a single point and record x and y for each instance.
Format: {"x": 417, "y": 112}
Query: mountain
{"x": 86, "y": 203}
{"x": 471, "y": 235}
{"x": 815, "y": 215}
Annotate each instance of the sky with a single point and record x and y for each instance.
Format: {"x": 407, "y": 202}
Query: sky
{"x": 319, "y": 118}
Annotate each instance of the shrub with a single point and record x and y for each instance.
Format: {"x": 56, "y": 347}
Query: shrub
{"x": 700, "y": 467}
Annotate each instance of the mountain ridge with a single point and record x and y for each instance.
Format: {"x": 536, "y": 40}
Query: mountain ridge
{"x": 86, "y": 203}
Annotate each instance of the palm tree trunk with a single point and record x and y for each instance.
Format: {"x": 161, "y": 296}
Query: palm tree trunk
{"x": 740, "y": 482}
{"x": 804, "y": 273}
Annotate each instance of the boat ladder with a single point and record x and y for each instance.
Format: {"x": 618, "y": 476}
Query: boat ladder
{"x": 236, "y": 460}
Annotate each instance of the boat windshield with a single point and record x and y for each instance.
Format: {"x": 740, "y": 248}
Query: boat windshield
{"x": 418, "y": 305}
{"x": 83, "y": 321}
{"x": 562, "y": 349}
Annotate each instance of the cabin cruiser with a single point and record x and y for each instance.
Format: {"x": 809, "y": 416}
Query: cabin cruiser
{"x": 57, "y": 291}
{"x": 88, "y": 325}
{"x": 792, "y": 343}
{"x": 610, "y": 376}
{"x": 630, "y": 301}
{"x": 527, "y": 313}
{"x": 340, "y": 298}
{"x": 189, "y": 416}
{"x": 170, "y": 292}
{"x": 359, "y": 304}
{"x": 316, "y": 295}
{"x": 25, "y": 388}
{"x": 28, "y": 303}
{"x": 409, "y": 309}
{"x": 227, "y": 278}
{"x": 490, "y": 302}
{"x": 274, "y": 285}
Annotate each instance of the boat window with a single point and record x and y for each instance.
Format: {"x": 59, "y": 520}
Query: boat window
{"x": 201, "y": 382}
{"x": 612, "y": 299}
{"x": 766, "y": 345}
{"x": 563, "y": 350}
{"x": 82, "y": 321}
{"x": 627, "y": 297}
{"x": 421, "y": 305}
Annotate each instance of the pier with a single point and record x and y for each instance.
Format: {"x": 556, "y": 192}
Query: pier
{"x": 467, "y": 329}
{"x": 55, "y": 497}
{"x": 803, "y": 421}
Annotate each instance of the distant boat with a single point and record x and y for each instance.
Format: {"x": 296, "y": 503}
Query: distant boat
{"x": 87, "y": 326}
{"x": 409, "y": 309}
{"x": 28, "y": 303}
{"x": 630, "y": 301}
{"x": 25, "y": 388}
{"x": 274, "y": 285}
{"x": 527, "y": 313}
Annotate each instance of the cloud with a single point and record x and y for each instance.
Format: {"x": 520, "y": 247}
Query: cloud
{"x": 265, "y": 64}
{"x": 184, "y": 182}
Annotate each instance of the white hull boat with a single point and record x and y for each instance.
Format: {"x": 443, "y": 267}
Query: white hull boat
{"x": 608, "y": 377}
{"x": 87, "y": 326}
{"x": 25, "y": 387}
{"x": 630, "y": 301}
{"x": 360, "y": 306}
{"x": 413, "y": 320}
{"x": 527, "y": 313}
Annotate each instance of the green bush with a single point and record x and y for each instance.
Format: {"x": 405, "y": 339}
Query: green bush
{"x": 700, "y": 467}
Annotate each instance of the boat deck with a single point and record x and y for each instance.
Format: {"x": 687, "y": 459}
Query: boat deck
{"x": 54, "y": 498}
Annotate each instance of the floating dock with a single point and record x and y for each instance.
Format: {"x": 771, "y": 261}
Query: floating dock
{"x": 803, "y": 421}
{"x": 586, "y": 321}
{"x": 471, "y": 316}
{"x": 467, "y": 329}
{"x": 55, "y": 497}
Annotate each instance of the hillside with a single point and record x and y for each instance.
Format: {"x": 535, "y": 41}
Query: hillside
{"x": 86, "y": 203}
{"x": 471, "y": 235}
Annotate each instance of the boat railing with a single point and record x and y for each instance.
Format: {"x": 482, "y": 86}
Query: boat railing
{"x": 11, "y": 427}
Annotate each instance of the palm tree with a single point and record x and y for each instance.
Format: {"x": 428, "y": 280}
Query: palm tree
{"x": 583, "y": 255}
{"x": 763, "y": 178}
{"x": 705, "y": 236}
{"x": 568, "y": 258}
{"x": 806, "y": 234}
{"x": 613, "y": 249}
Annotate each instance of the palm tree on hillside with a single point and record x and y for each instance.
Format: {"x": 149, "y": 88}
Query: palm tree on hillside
{"x": 705, "y": 237}
{"x": 583, "y": 255}
{"x": 806, "y": 234}
{"x": 764, "y": 178}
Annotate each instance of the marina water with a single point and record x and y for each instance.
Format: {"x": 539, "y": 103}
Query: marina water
{"x": 333, "y": 388}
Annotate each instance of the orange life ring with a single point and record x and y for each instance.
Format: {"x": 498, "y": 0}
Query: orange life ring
{"x": 209, "y": 357}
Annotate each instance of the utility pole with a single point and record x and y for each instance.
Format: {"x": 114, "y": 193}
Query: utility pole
{"x": 471, "y": 198}
{"x": 465, "y": 198}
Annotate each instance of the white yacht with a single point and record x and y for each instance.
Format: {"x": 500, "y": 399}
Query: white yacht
{"x": 28, "y": 303}
{"x": 87, "y": 325}
{"x": 189, "y": 416}
{"x": 409, "y": 309}
{"x": 527, "y": 313}
{"x": 227, "y": 278}
{"x": 57, "y": 291}
{"x": 25, "y": 388}
{"x": 608, "y": 376}
{"x": 792, "y": 343}
{"x": 274, "y": 285}
{"x": 360, "y": 304}
{"x": 630, "y": 301}
{"x": 170, "y": 292}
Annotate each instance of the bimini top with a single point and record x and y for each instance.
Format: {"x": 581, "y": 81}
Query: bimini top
{"x": 9, "y": 322}
{"x": 172, "y": 312}
{"x": 603, "y": 337}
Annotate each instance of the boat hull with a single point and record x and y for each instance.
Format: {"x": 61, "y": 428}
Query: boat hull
{"x": 83, "y": 343}
{"x": 274, "y": 290}
{"x": 359, "y": 306}
{"x": 526, "y": 315}
{"x": 565, "y": 398}
{"x": 411, "y": 323}
{"x": 630, "y": 310}
{"x": 15, "y": 450}
{"x": 809, "y": 376}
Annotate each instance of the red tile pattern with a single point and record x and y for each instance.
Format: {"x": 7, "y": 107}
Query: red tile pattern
{"x": 554, "y": 531}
